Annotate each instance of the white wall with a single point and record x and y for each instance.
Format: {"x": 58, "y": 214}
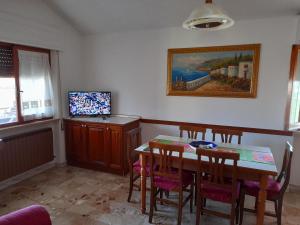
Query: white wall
{"x": 133, "y": 65}
{"x": 32, "y": 22}
{"x": 298, "y": 33}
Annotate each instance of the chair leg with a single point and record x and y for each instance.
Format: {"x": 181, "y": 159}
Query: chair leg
{"x": 256, "y": 204}
{"x": 198, "y": 210}
{"x": 130, "y": 186}
{"x": 167, "y": 193}
{"x": 232, "y": 214}
{"x": 152, "y": 196}
{"x": 279, "y": 211}
{"x": 192, "y": 197}
{"x": 195, "y": 178}
{"x": 237, "y": 212}
{"x": 276, "y": 207}
{"x": 161, "y": 192}
{"x": 180, "y": 201}
{"x": 155, "y": 205}
{"x": 242, "y": 202}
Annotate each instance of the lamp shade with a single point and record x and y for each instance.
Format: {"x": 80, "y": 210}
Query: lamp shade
{"x": 208, "y": 17}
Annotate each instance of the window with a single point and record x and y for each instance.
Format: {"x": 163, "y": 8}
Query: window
{"x": 25, "y": 84}
{"x": 293, "y": 105}
{"x": 8, "y": 110}
{"x": 35, "y": 85}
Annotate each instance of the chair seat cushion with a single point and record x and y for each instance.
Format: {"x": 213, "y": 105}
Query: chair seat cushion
{"x": 273, "y": 188}
{"x": 169, "y": 184}
{"x": 217, "y": 193}
{"x": 137, "y": 168}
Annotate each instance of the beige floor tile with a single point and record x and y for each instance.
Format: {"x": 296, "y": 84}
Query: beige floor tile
{"x": 75, "y": 196}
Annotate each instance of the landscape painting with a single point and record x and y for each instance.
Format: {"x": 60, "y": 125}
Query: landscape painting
{"x": 224, "y": 71}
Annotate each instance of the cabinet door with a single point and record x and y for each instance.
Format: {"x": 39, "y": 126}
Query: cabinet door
{"x": 96, "y": 144}
{"x": 116, "y": 146}
{"x": 75, "y": 142}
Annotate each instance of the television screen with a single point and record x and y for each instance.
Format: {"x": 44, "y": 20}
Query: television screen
{"x": 89, "y": 103}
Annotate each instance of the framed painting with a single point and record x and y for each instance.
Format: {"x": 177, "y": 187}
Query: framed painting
{"x": 223, "y": 71}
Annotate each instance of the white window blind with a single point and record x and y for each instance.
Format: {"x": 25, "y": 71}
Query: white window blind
{"x": 8, "y": 110}
{"x": 35, "y": 85}
{"x": 6, "y": 62}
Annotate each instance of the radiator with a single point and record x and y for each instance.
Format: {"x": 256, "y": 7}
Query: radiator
{"x": 22, "y": 152}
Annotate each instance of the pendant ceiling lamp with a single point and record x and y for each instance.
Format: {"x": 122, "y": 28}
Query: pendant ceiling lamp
{"x": 208, "y": 17}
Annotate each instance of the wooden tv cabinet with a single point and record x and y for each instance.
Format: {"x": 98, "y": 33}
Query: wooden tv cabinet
{"x": 94, "y": 143}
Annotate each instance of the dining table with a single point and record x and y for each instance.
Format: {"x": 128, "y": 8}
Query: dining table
{"x": 256, "y": 163}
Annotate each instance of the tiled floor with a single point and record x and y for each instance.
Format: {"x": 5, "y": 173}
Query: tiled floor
{"x": 75, "y": 196}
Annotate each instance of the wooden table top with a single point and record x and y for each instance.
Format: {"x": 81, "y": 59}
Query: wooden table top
{"x": 190, "y": 154}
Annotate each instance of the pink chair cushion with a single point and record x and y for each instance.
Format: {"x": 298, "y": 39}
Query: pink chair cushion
{"x": 169, "y": 184}
{"x": 217, "y": 193}
{"x": 273, "y": 188}
{"x": 32, "y": 215}
{"x": 137, "y": 168}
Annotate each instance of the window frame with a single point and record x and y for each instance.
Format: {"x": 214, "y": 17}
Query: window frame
{"x": 15, "y": 49}
{"x": 292, "y": 78}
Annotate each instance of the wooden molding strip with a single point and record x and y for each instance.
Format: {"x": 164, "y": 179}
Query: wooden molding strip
{"x": 292, "y": 78}
{"x": 212, "y": 126}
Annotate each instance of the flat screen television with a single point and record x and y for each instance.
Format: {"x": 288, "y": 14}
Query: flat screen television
{"x": 89, "y": 103}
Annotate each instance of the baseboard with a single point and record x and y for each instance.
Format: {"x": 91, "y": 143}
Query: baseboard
{"x": 23, "y": 176}
{"x": 294, "y": 188}
{"x": 61, "y": 164}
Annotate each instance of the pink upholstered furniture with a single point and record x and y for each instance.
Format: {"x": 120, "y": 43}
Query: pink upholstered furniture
{"x": 32, "y": 215}
{"x": 275, "y": 188}
{"x": 164, "y": 178}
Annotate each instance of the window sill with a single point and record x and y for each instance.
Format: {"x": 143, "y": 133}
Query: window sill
{"x": 294, "y": 128}
{"x": 29, "y": 124}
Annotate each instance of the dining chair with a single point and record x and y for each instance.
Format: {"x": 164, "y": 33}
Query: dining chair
{"x": 133, "y": 141}
{"x": 192, "y": 131}
{"x": 214, "y": 185}
{"x": 275, "y": 188}
{"x": 227, "y": 135}
{"x": 166, "y": 178}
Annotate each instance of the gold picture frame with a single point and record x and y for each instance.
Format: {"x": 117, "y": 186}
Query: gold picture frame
{"x": 220, "y": 71}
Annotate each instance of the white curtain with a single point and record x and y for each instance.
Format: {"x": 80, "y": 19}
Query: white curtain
{"x": 55, "y": 78}
{"x": 35, "y": 85}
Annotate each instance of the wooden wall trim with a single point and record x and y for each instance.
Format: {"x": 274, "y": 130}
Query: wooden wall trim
{"x": 211, "y": 126}
{"x": 292, "y": 77}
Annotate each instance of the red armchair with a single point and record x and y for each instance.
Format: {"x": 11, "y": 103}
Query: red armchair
{"x": 32, "y": 215}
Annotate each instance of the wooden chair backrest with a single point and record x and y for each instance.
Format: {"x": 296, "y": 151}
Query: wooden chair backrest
{"x": 286, "y": 167}
{"x": 133, "y": 141}
{"x": 163, "y": 160}
{"x": 214, "y": 175}
{"x": 226, "y": 135}
{"x": 192, "y": 131}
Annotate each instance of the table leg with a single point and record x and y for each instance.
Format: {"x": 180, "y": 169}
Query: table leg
{"x": 143, "y": 182}
{"x": 262, "y": 200}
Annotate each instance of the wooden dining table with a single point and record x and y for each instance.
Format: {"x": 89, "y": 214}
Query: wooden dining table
{"x": 256, "y": 163}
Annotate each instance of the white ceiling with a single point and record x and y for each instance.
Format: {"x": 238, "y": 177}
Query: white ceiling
{"x": 103, "y": 16}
